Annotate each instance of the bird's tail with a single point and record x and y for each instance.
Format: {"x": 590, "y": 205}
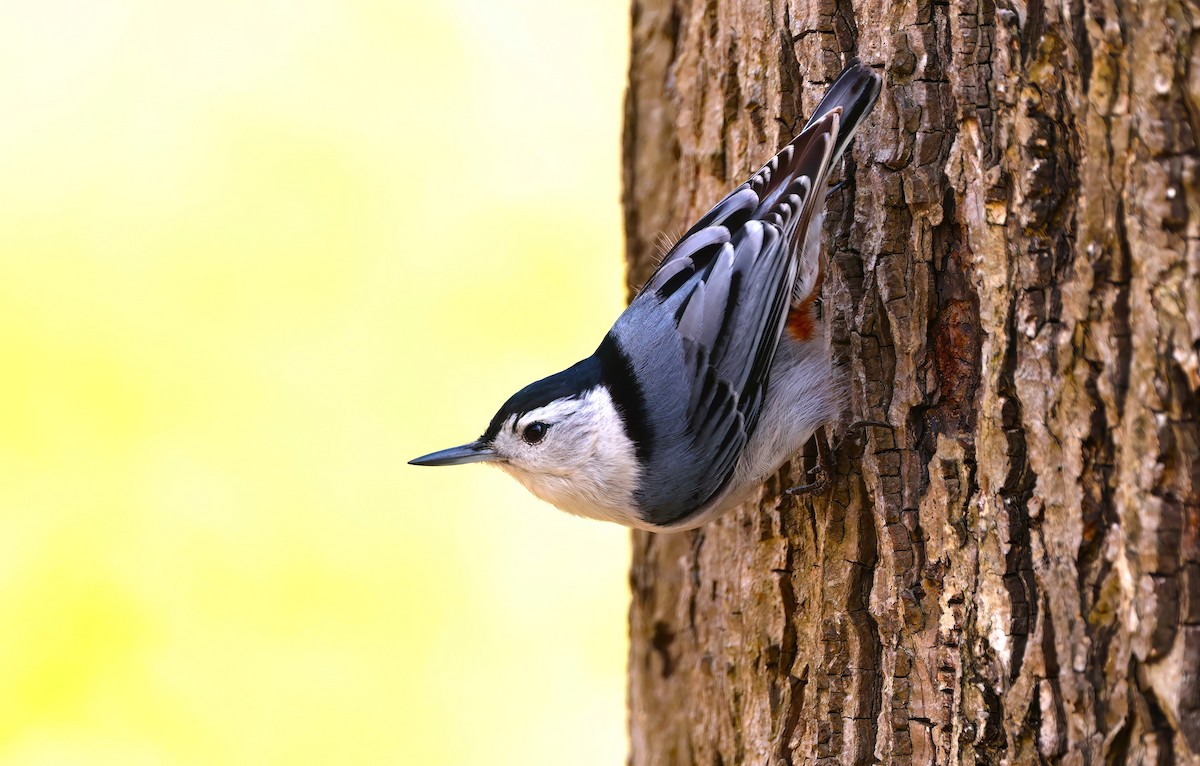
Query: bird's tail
{"x": 810, "y": 154}
{"x": 853, "y": 92}
{"x": 846, "y": 103}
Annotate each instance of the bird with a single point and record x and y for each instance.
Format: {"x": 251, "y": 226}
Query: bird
{"x": 715, "y": 374}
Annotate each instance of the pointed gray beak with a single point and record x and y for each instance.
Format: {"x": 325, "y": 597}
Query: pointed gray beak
{"x": 467, "y": 453}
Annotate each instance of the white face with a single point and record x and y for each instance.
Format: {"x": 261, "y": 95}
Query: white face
{"x": 577, "y": 458}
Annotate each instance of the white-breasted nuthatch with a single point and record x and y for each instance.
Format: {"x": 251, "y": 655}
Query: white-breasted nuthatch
{"x": 716, "y": 373}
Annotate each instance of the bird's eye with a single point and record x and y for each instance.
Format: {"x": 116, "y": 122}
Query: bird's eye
{"x": 535, "y": 432}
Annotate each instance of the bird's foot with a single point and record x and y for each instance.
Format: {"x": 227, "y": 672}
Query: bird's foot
{"x": 819, "y": 484}
{"x": 819, "y": 472}
{"x": 866, "y": 423}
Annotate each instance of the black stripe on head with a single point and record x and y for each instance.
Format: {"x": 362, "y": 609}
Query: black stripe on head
{"x": 618, "y": 375}
{"x": 571, "y": 383}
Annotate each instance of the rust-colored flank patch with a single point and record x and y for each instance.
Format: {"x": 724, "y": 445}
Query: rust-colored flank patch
{"x": 801, "y": 321}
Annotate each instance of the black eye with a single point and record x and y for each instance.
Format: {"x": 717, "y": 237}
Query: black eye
{"x": 535, "y": 432}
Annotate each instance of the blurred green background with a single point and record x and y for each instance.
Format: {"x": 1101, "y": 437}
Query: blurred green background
{"x": 253, "y": 257}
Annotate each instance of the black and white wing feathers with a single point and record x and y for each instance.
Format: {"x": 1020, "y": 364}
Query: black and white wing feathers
{"x": 724, "y": 291}
{"x": 699, "y": 339}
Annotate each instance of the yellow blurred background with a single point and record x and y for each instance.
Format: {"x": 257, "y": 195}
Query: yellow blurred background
{"x": 254, "y": 257}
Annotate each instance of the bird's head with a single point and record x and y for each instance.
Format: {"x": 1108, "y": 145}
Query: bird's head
{"x": 565, "y": 440}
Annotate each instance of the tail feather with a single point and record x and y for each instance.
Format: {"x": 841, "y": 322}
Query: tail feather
{"x": 846, "y": 103}
{"x": 854, "y": 92}
{"x": 788, "y": 191}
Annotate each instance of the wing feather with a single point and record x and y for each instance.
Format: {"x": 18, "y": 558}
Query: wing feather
{"x": 723, "y": 292}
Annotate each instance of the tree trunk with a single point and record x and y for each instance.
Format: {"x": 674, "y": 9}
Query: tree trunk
{"x": 1011, "y": 573}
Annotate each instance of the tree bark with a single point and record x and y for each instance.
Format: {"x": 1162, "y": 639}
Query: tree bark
{"x": 1011, "y": 573}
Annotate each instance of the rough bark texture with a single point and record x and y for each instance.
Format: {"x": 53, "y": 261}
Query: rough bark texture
{"x": 1012, "y": 574}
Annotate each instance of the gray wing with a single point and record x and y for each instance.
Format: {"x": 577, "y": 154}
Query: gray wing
{"x": 701, "y": 334}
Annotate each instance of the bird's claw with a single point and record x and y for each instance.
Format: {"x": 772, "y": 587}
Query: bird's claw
{"x": 820, "y": 471}
{"x": 865, "y": 423}
{"x": 815, "y": 487}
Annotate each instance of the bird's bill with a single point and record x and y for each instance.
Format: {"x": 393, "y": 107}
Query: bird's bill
{"x": 474, "y": 452}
